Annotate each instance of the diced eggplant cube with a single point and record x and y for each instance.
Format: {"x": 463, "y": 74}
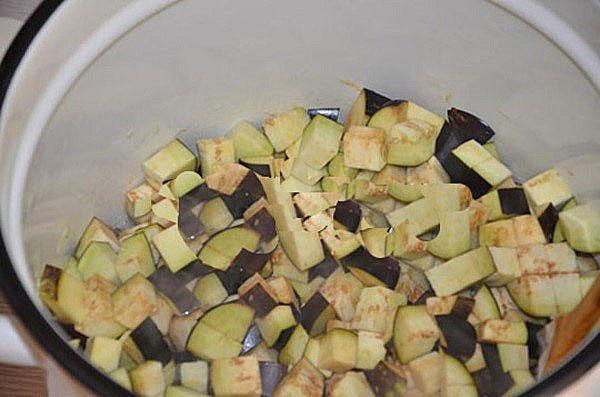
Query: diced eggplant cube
{"x": 493, "y": 171}
{"x": 148, "y": 379}
{"x": 244, "y": 265}
{"x": 547, "y": 187}
{"x": 293, "y": 349}
{"x": 164, "y": 314}
{"x": 208, "y": 343}
{"x": 286, "y": 128}
{"x": 581, "y": 227}
{"x": 460, "y": 336}
{"x": 304, "y": 379}
{"x": 460, "y": 173}
{"x": 150, "y": 342}
{"x": 133, "y": 301}
{"x": 365, "y": 148}
{"x": 277, "y": 320}
{"x": 460, "y": 272}
{"x": 337, "y": 351}
{"x": 173, "y": 248}
{"x": 173, "y": 288}
{"x": 528, "y": 230}
{"x": 320, "y": 142}
{"x": 256, "y": 293}
{"x": 306, "y": 174}
{"x": 194, "y": 375}
{"x": 498, "y": 234}
{"x": 215, "y": 215}
{"x": 99, "y": 258}
{"x": 373, "y": 101}
{"x": 168, "y": 162}
{"x": 103, "y": 352}
{"x": 506, "y": 262}
{"x": 121, "y": 376}
{"x": 471, "y": 153}
{"x": 513, "y": 201}
{"x": 139, "y": 201}
{"x": 185, "y": 183}
{"x": 348, "y": 213}
{"x": 411, "y": 142}
{"x": 440, "y": 305}
{"x": 426, "y": 372}
{"x": 502, "y": 331}
{"x": 135, "y": 256}
{"x": 379, "y": 271}
{"x": 214, "y": 153}
{"x": 370, "y": 349}
{"x": 239, "y": 376}
{"x": 421, "y": 214}
{"x": 232, "y": 319}
{"x": 315, "y": 314}
{"x": 349, "y": 384}
{"x": 548, "y": 221}
{"x": 249, "y": 141}
{"x": 263, "y": 223}
{"x": 415, "y": 332}
{"x": 337, "y": 290}
{"x": 384, "y": 381}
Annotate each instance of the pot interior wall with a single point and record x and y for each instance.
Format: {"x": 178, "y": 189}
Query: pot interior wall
{"x": 198, "y": 67}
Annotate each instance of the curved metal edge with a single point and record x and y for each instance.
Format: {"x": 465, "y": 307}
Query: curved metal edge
{"x": 24, "y": 308}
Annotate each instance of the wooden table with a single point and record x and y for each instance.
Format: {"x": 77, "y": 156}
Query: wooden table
{"x": 46, "y": 379}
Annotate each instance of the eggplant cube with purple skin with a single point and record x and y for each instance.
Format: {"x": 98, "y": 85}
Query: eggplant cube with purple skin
{"x": 365, "y": 148}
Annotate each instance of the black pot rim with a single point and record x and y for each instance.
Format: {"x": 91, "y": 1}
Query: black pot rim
{"x": 18, "y": 298}
{"x": 47, "y": 336}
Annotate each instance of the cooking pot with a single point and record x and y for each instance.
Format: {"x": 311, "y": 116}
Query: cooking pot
{"x": 90, "y": 89}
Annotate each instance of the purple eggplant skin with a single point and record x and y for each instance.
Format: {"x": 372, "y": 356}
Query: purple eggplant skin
{"x": 251, "y": 340}
{"x": 243, "y": 267}
{"x": 263, "y": 223}
{"x": 260, "y": 169}
{"x": 460, "y": 336}
{"x": 325, "y": 267}
{"x": 548, "y": 220}
{"x": 490, "y": 384}
{"x": 150, "y": 342}
{"x": 196, "y": 196}
{"x": 513, "y": 201}
{"x": 312, "y": 309}
{"x": 284, "y": 337}
{"x": 174, "y": 289}
{"x": 460, "y": 173}
{"x": 470, "y": 125}
{"x": 189, "y": 225}
{"x": 423, "y": 298}
{"x": 348, "y": 213}
{"x": 193, "y": 271}
{"x": 374, "y": 101}
{"x": 183, "y": 357}
{"x": 460, "y": 128}
{"x": 384, "y": 381}
{"x": 463, "y": 307}
{"x": 271, "y": 374}
{"x": 330, "y": 113}
{"x": 259, "y": 299}
{"x": 247, "y": 192}
{"x": 533, "y": 345}
{"x": 386, "y": 270}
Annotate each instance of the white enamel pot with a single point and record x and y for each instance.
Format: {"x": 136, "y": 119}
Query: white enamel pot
{"x": 89, "y": 89}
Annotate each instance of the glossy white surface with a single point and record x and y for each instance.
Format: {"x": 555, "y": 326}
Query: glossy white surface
{"x": 198, "y": 67}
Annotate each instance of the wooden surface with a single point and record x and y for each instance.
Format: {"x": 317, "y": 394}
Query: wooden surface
{"x": 47, "y": 379}
{"x": 16, "y": 381}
